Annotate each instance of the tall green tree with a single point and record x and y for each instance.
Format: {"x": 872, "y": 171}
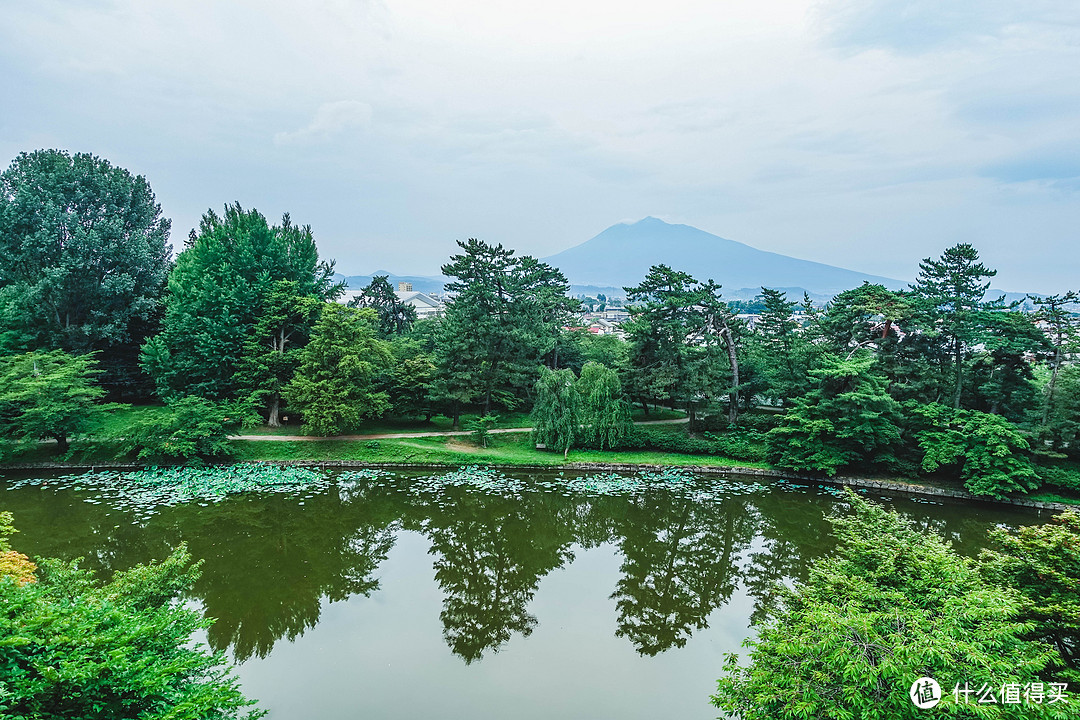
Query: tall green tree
{"x": 555, "y": 415}
{"x": 658, "y": 329}
{"x": 271, "y": 352}
{"x": 951, "y": 295}
{"x": 336, "y": 382}
{"x": 1001, "y": 371}
{"x": 220, "y": 284}
{"x": 890, "y": 606}
{"x": 681, "y": 333}
{"x": 604, "y": 413}
{"x": 49, "y": 395}
{"x": 847, "y": 419}
{"x": 1062, "y": 427}
{"x": 1064, "y": 335}
{"x": 780, "y": 347}
{"x": 84, "y": 255}
{"x": 504, "y": 316}
{"x": 395, "y": 317}
{"x": 411, "y": 378}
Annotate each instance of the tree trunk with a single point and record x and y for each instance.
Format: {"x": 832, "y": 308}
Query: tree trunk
{"x": 566, "y": 452}
{"x": 958, "y": 351}
{"x": 61, "y": 444}
{"x": 1052, "y": 385}
{"x": 733, "y": 359}
{"x": 273, "y": 419}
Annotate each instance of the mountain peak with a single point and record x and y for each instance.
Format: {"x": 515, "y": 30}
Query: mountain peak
{"x": 622, "y": 254}
{"x": 647, "y": 220}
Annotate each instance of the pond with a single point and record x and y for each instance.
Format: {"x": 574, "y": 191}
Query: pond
{"x": 473, "y": 594}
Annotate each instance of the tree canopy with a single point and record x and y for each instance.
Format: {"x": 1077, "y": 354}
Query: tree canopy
{"x": 221, "y": 281}
{"x": 84, "y": 256}
{"x": 890, "y": 606}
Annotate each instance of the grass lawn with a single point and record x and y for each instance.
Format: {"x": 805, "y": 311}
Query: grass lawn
{"x": 115, "y": 422}
{"x": 505, "y": 449}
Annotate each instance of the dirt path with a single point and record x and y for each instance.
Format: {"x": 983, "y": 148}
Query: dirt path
{"x": 430, "y": 433}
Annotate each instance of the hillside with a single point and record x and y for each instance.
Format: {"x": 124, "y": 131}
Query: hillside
{"x": 622, "y": 255}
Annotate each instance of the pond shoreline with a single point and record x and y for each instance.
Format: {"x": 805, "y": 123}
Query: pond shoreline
{"x": 897, "y": 486}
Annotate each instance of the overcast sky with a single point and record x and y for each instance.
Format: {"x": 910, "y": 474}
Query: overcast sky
{"x": 862, "y": 133}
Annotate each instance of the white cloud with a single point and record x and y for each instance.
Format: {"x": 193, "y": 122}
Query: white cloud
{"x": 864, "y": 134}
{"x": 331, "y": 119}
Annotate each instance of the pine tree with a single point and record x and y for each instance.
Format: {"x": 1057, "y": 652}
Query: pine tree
{"x": 951, "y": 292}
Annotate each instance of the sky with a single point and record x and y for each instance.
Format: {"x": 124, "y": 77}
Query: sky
{"x": 868, "y": 134}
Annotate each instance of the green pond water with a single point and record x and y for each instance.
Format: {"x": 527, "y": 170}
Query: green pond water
{"x": 474, "y": 595}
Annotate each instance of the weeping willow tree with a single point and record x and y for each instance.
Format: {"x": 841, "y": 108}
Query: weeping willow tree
{"x": 554, "y": 417}
{"x": 604, "y": 412}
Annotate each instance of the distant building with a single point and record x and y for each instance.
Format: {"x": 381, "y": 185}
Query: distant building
{"x": 426, "y": 305}
{"x": 404, "y": 287}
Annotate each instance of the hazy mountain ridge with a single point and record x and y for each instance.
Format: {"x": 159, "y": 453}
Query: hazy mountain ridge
{"x": 622, "y": 254}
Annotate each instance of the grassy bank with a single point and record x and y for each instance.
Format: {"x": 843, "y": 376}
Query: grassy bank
{"x": 505, "y": 449}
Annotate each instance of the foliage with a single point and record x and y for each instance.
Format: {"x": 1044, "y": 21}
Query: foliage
{"x": 739, "y": 444}
{"x": 847, "y": 419}
{"x": 84, "y": 255}
{"x": 395, "y": 317}
{"x": 480, "y": 429}
{"x": 1059, "y": 475}
{"x": 412, "y": 379}
{"x": 335, "y": 384}
{"x": 988, "y": 451}
{"x": 1064, "y": 338}
{"x": 193, "y": 427}
{"x": 271, "y": 351}
{"x": 505, "y": 315}
{"x": 681, "y": 333}
{"x": 49, "y": 395}
{"x": 1061, "y": 426}
{"x": 604, "y": 414}
{"x": 1001, "y": 376}
{"x": 949, "y": 293}
{"x": 556, "y": 410}
{"x": 13, "y": 564}
{"x": 74, "y": 648}
{"x": 891, "y": 605}
{"x": 221, "y": 283}
{"x": 782, "y": 351}
{"x": 1043, "y": 563}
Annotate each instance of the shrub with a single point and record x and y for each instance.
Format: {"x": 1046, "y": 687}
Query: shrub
{"x": 890, "y": 605}
{"x": 986, "y": 450}
{"x": 1060, "y": 476}
{"x": 13, "y": 564}
{"x": 748, "y": 445}
{"x": 193, "y": 427}
{"x": 73, "y": 648}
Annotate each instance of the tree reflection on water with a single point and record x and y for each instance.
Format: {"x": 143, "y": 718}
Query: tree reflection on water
{"x": 272, "y": 562}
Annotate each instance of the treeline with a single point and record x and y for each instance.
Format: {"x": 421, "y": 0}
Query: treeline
{"x": 245, "y": 326}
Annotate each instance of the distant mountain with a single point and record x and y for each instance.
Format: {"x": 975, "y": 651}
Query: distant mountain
{"x": 622, "y": 255}
{"x": 420, "y": 283}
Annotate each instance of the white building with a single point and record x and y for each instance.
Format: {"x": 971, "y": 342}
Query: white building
{"x": 426, "y": 305}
